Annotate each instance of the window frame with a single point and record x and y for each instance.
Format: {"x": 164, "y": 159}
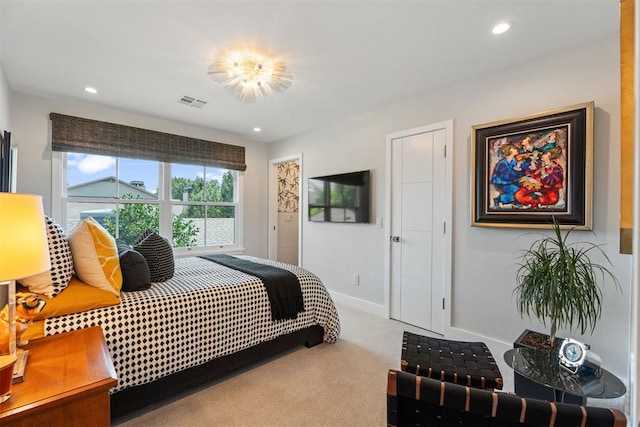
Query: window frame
{"x": 164, "y": 202}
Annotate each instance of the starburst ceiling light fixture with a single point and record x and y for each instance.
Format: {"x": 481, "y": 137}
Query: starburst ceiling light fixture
{"x": 250, "y": 72}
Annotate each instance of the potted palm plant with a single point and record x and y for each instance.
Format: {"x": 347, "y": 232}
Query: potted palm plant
{"x": 559, "y": 283}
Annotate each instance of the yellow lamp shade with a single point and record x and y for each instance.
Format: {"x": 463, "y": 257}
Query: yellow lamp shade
{"x": 24, "y": 250}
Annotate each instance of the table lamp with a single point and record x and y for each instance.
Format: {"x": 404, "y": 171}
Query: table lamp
{"x": 24, "y": 251}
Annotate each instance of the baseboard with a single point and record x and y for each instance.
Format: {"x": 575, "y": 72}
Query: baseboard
{"x": 497, "y": 347}
{"x": 358, "y": 304}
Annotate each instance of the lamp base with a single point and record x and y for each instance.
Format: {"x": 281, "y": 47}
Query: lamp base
{"x": 21, "y": 364}
{"x": 7, "y": 362}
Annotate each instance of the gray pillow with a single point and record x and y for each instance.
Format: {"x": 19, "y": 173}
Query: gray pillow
{"x": 136, "y": 275}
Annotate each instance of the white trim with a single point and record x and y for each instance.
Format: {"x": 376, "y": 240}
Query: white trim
{"x": 58, "y": 194}
{"x": 497, "y": 347}
{"x": 448, "y": 127}
{"x": 165, "y": 228}
{"x": 238, "y": 192}
{"x": 359, "y": 304}
{"x": 13, "y": 168}
{"x": 187, "y": 252}
{"x": 272, "y": 230}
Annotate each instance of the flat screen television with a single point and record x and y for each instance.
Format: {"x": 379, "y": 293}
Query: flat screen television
{"x": 340, "y": 198}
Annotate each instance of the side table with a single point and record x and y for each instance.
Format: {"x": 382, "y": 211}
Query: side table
{"x": 542, "y": 367}
{"x": 67, "y": 382}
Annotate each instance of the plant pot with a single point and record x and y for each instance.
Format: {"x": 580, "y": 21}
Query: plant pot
{"x": 526, "y": 387}
{"x": 533, "y": 339}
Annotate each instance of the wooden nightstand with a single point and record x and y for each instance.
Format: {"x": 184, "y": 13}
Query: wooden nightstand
{"x": 67, "y": 382}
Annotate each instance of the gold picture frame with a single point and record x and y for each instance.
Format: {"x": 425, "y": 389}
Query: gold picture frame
{"x": 530, "y": 170}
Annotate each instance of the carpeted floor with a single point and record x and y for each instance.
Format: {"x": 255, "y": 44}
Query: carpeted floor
{"x": 341, "y": 384}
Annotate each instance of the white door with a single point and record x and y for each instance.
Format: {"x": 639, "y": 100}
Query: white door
{"x": 419, "y": 242}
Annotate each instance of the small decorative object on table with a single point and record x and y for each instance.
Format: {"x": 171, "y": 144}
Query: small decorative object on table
{"x": 574, "y": 355}
{"x": 545, "y": 378}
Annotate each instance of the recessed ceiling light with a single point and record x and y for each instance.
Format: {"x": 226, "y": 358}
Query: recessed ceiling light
{"x": 256, "y": 129}
{"x": 90, "y": 90}
{"x": 500, "y": 28}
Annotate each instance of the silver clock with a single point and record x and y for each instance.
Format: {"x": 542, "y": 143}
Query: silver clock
{"x": 574, "y": 355}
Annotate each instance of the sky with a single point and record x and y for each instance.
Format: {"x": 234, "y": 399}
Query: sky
{"x": 88, "y": 167}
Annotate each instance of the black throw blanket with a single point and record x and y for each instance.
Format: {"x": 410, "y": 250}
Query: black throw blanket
{"x": 283, "y": 287}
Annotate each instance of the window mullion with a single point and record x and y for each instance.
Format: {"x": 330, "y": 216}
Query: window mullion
{"x": 58, "y": 187}
{"x": 239, "y": 214}
{"x": 164, "y": 198}
{"x": 205, "y": 199}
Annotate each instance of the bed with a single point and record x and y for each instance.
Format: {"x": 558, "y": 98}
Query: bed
{"x": 206, "y": 321}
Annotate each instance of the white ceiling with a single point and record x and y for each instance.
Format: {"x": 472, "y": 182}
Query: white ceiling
{"x": 346, "y": 57}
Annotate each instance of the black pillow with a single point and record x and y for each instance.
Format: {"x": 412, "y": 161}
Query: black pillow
{"x": 159, "y": 255}
{"x": 135, "y": 269}
{"x": 122, "y": 245}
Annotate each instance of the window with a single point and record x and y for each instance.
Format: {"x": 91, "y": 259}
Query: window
{"x": 203, "y": 198}
{"x": 195, "y": 207}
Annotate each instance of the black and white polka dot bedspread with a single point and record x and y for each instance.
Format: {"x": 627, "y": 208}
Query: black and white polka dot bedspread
{"x": 205, "y": 311}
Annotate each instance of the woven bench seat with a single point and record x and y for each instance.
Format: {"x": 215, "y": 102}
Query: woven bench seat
{"x": 460, "y": 362}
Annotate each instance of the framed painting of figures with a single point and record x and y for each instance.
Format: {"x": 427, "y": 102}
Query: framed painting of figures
{"x": 526, "y": 171}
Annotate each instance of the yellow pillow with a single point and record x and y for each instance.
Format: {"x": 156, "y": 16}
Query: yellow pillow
{"x": 95, "y": 256}
{"x": 76, "y": 297}
{"x": 34, "y": 331}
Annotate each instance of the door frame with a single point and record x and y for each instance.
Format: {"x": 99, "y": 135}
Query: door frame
{"x": 272, "y": 229}
{"x": 448, "y": 128}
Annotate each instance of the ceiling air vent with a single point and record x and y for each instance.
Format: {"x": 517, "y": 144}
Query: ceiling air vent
{"x": 192, "y": 101}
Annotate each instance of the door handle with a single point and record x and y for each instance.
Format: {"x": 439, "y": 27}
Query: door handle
{"x": 395, "y": 239}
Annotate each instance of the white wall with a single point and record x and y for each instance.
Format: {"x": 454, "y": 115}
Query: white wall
{"x": 336, "y": 251}
{"x": 5, "y": 123}
{"x": 31, "y": 133}
{"x": 4, "y": 93}
{"x": 483, "y": 258}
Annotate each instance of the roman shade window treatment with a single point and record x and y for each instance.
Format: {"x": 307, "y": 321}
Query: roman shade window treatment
{"x": 80, "y": 135}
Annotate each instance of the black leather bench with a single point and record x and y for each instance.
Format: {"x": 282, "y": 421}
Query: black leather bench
{"x": 418, "y": 401}
{"x": 459, "y": 362}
